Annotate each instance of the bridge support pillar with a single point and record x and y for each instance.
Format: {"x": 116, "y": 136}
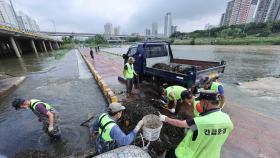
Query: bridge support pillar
{"x": 14, "y": 45}
{"x": 33, "y": 46}
{"x": 50, "y": 43}
{"x": 57, "y": 46}
{"x": 44, "y": 46}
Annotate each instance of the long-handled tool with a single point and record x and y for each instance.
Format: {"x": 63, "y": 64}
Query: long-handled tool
{"x": 85, "y": 122}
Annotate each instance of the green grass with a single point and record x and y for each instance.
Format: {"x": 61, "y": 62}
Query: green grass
{"x": 59, "y": 54}
{"x": 250, "y": 40}
{"x": 68, "y": 46}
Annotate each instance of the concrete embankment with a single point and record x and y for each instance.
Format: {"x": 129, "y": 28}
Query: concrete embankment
{"x": 108, "y": 93}
{"x": 7, "y": 85}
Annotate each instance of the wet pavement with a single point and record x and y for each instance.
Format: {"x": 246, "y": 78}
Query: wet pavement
{"x": 69, "y": 87}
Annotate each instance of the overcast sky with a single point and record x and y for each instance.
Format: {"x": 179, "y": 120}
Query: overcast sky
{"x": 130, "y": 15}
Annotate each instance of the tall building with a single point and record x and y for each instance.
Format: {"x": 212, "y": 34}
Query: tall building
{"x": 1, "y": 17}
{"x": 252, "y": 11}
{"x": 108, "y": 29}
{"x": 154, "y": 29}
{"x": 20, "y": 22}
{"x": 262, "y": 10}
{"x": 148, "y": 32}
{"x": 244, "y": 10}
{"x": 235, "y": 12}
{"x": 27, "y": 23}
{"x": 117, "y": 30}
{"x": 8, "y": 15}
{"x": 273, "y": 10}
{"x": 173, "y": 29}
{"x": 167, "y": 24}
{"x": 228, "y": 12}
{"x": 222, "y": 21}
{"x": 240, "y": 12}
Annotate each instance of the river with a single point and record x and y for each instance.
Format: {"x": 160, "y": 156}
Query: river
{"x": 66, "y": 84}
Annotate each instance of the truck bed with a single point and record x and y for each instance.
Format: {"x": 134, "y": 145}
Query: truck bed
{"x": 186, "y": 72}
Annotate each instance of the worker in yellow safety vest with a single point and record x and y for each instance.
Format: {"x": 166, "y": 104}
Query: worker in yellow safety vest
{"x": 207, "y": 133}
{"x": 173, "y": 93}
{"x": 108, "y": 134}
{"x": 214, "y": 84}
{"x": 128, "y": 73}
{"x": 45, "y": 113}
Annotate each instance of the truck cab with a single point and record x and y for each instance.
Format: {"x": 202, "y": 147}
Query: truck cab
{"x": 148, "y": 54}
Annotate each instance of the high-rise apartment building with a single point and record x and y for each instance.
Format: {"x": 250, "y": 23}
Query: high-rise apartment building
{"x": 262, "y": 10}
{"x": 244, "y": 11}
{"x": 1, "y": 17}
{"x": 174, "y": 29}
{"x": 240, "y": 12}
{"x": 108, "y": 29}
{"x": 27, "y": 23}
{"x": 148, "y": 32}
{"x": 252, "y": 11}
{"x": 8, "y": 15}
{"x": 222, "y": 21}
{"x": 167, "y": 24}
{"x": 228, "y": 12}
{"x": 20, "y": 22}
{"x": 273, "y": 10}
{"x": 235, "y": 12}
{"x": 117, "y": 30}
{"x": 154, "y": 29}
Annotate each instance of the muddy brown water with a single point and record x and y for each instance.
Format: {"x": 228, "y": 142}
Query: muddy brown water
{"x": 67, "y": 85}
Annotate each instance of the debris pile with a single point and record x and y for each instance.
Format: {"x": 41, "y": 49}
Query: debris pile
{"x": 170, "y": 136}
{"x": 178, "y": 68}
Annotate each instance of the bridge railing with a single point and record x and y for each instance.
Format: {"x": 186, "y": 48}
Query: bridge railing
{"x": 15, "y": 29}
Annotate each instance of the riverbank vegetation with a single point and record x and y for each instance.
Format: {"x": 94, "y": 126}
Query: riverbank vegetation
{"x": 244, "y": 34}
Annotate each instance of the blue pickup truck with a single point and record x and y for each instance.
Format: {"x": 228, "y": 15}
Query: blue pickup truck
{"x": 152, "y": 57}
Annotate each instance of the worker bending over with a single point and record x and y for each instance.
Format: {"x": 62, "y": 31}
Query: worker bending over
{"x": 218, "y": 87}
{"x": 109, "y": 135}
{"x": 173, "y": 93}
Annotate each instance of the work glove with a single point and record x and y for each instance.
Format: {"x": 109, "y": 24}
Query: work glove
{"x": 139, "y": 125}
{"x": 172, "y": 110}
{"x": 162, "y": 117}
{"x": 50, "y": 129}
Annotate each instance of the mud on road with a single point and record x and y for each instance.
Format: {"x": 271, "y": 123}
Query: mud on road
{"x": 170, "y": 136}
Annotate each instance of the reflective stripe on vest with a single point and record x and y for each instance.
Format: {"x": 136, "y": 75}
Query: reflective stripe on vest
{"x": 213, "y": 131}
{"x": 177, "y": 90}
{"x": 196, "y": 113}
{"x": 105, "y": 126}
{"x": 35, "y": 102}
{"x": 129, "y": 72}
{"x": 215, "y": 86}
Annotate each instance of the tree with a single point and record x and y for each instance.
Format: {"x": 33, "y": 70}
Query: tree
{"x": 67, "y": 40}
{"x": 99, "y": 39}
{"x": 275, "y": 27}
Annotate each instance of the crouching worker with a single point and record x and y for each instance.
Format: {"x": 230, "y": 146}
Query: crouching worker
{"x": 45, "y": 112}
{"x": 108, "y": 134}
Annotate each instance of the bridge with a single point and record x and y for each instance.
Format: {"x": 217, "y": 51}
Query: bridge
{"x": 79, "y": 34}
{"x": 17, "y": 41}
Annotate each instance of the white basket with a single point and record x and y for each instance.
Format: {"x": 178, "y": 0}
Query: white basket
{"x": 151, "y": 134}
